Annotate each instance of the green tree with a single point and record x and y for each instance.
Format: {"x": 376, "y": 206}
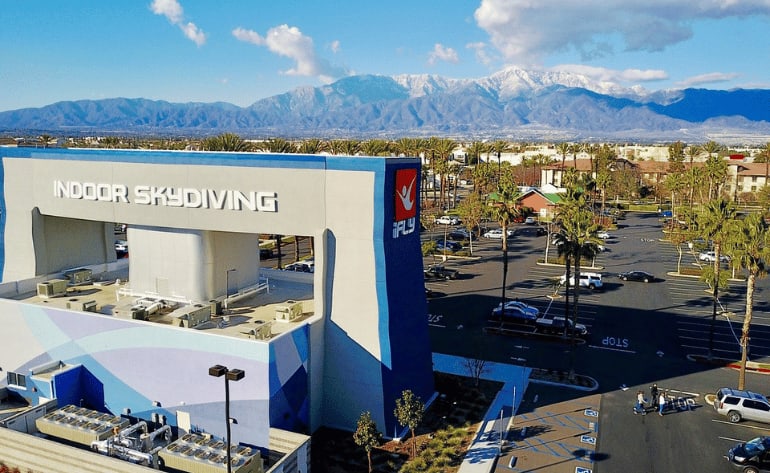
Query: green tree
{"x": 375, "y": 147}
{"x": 344, "y": 147}
{"x": 579, "y": 234}
{"x": 503, "y": 207}
{"x": 471, "y": 211}
{"x": 713, "y": 223}
{"x": 367, "y": 435}
{"x": 278, "y": 145}
{"x": 716, "y": 171}
{"x": 312, "y": 146}
{"x": 226, "y": 142}
{"x": 408, "y": 412}
{"x": 750, "y": 245}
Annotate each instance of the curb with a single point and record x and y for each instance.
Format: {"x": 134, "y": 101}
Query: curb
{"x": 751, "y": 366}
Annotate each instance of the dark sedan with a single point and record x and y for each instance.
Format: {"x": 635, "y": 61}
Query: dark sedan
{"x": 752, "y": 456}
{"x": 440, "y": 272}
{"x": 642, "y": 276}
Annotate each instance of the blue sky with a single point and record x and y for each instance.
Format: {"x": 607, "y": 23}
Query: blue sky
{"x": 240, "y": 51}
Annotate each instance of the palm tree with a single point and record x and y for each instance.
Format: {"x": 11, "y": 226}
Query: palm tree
{"x": 312, "y": 146}
{"x": 713, "y": 222}
{"x": 278, "y": 145}
{"x": 503, "y": 207}
{"x": 750, "y": 244}
{"x": 499, "y": 147}
{"x": 716, "y": 170}
{"x": 344, "y": 147}
{"x": 443, "y": 147}
{"x": 674, "y": 183}
{"x": 226, "y": 142}
{"x": 375, "y": 147}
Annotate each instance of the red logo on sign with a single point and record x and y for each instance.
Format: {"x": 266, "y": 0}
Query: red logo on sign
{"x": 406, "y": 194}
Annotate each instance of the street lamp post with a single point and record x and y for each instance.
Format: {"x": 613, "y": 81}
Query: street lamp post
{"x": 227, "y": 287}
{"x": 218, "y": 371}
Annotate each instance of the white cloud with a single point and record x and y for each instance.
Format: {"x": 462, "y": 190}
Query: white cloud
{"x": 710, "y": 78}
{"x": 480, "y": 50}
{"x": 288, "y": 41}
{"x": 442, "y": 53}
{"x": 524, "y": 31}
{"x": 612, "y": 75}
{"x": 335, "y": 46}
{"x": 193, "y": 33}
{"x": 173, "y": 11}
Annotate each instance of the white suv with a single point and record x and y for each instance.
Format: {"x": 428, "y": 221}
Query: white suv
{"x": 448, "y": 220}
{"x": 590, "y": 280}
{"x": 738, "y": 405}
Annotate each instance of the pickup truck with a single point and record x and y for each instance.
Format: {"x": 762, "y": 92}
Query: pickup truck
{"x": 556, "y": 325}
{"x": 438, "y": 271}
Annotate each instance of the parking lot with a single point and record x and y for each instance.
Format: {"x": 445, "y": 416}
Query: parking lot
{"x": 639, "y": 334}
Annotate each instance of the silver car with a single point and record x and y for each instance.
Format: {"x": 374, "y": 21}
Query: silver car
{"x": 738, "y": 405}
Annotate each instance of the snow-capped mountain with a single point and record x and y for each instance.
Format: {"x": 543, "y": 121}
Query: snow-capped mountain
{"x": 512, "y": 103}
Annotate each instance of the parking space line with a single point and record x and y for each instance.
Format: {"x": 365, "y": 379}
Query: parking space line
{"x": 747, "y": 426}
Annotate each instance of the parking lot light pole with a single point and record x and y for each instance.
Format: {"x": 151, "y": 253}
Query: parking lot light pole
{"x": 218, "y": 371}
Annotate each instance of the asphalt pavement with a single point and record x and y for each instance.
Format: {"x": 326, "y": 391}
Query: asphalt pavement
{"x": 639, "y": 334}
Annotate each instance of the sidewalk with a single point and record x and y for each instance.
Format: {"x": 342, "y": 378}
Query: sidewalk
{"x": 549, "y": 440}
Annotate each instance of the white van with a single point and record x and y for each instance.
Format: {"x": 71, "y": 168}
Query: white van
{"x": 590, "y": 280}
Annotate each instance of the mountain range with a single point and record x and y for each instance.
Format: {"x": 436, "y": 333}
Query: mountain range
{"x": 511, "y": 104}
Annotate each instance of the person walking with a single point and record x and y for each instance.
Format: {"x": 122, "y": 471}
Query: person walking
{"x": 653, "y": 394}
{"x": 661, "y": 403}
{"x": 639, "y": 407}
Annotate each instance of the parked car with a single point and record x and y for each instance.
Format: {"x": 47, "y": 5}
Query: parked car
{"x": 447, "y": 220}
{"x": 590, "y": 280}
{"x": 530, "y": 221}
{"x": 752, "y": 456}
{"x": 556, "y": 325}
{"x": 121, "y": 246}
{"x": 300, "y": 267}
{"x": 710, "y": 256}
{"x": 642, "y": 276}
{"x": 737, "y": 405}
{"x": 540, "y": 231}
{"x": 514, "y": 313}
{"x": 459, "y": 235}
{"x": 520, "y": 305}
{"x": 448, "y": 245}
{"x": 439, "y": 271}
{"x": 604, "y": 235}
{"x": 497, "y": 234}
{"x": 265, "y": 253}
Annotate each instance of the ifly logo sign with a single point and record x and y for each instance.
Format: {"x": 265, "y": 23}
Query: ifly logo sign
{"x": 405, "y": 220}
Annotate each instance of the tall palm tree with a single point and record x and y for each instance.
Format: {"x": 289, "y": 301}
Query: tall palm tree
{"x": 674, "y": 183}
{"x": 499, "y": 147}
{"x": 443, "y": 148}
{"x": 713, "y": 222}
{"x": 504, "y": 209}
{"x": 716, "y": 171}
{"x": 750, "y": 244}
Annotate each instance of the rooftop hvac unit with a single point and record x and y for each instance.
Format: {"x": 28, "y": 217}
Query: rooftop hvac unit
{"x": 87, "y": 306}
{"x": 79, "y": 276}
{"x": 138, "y": 313}
{"x": 288, "y": 311}
{"x": 52, "y": 288}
